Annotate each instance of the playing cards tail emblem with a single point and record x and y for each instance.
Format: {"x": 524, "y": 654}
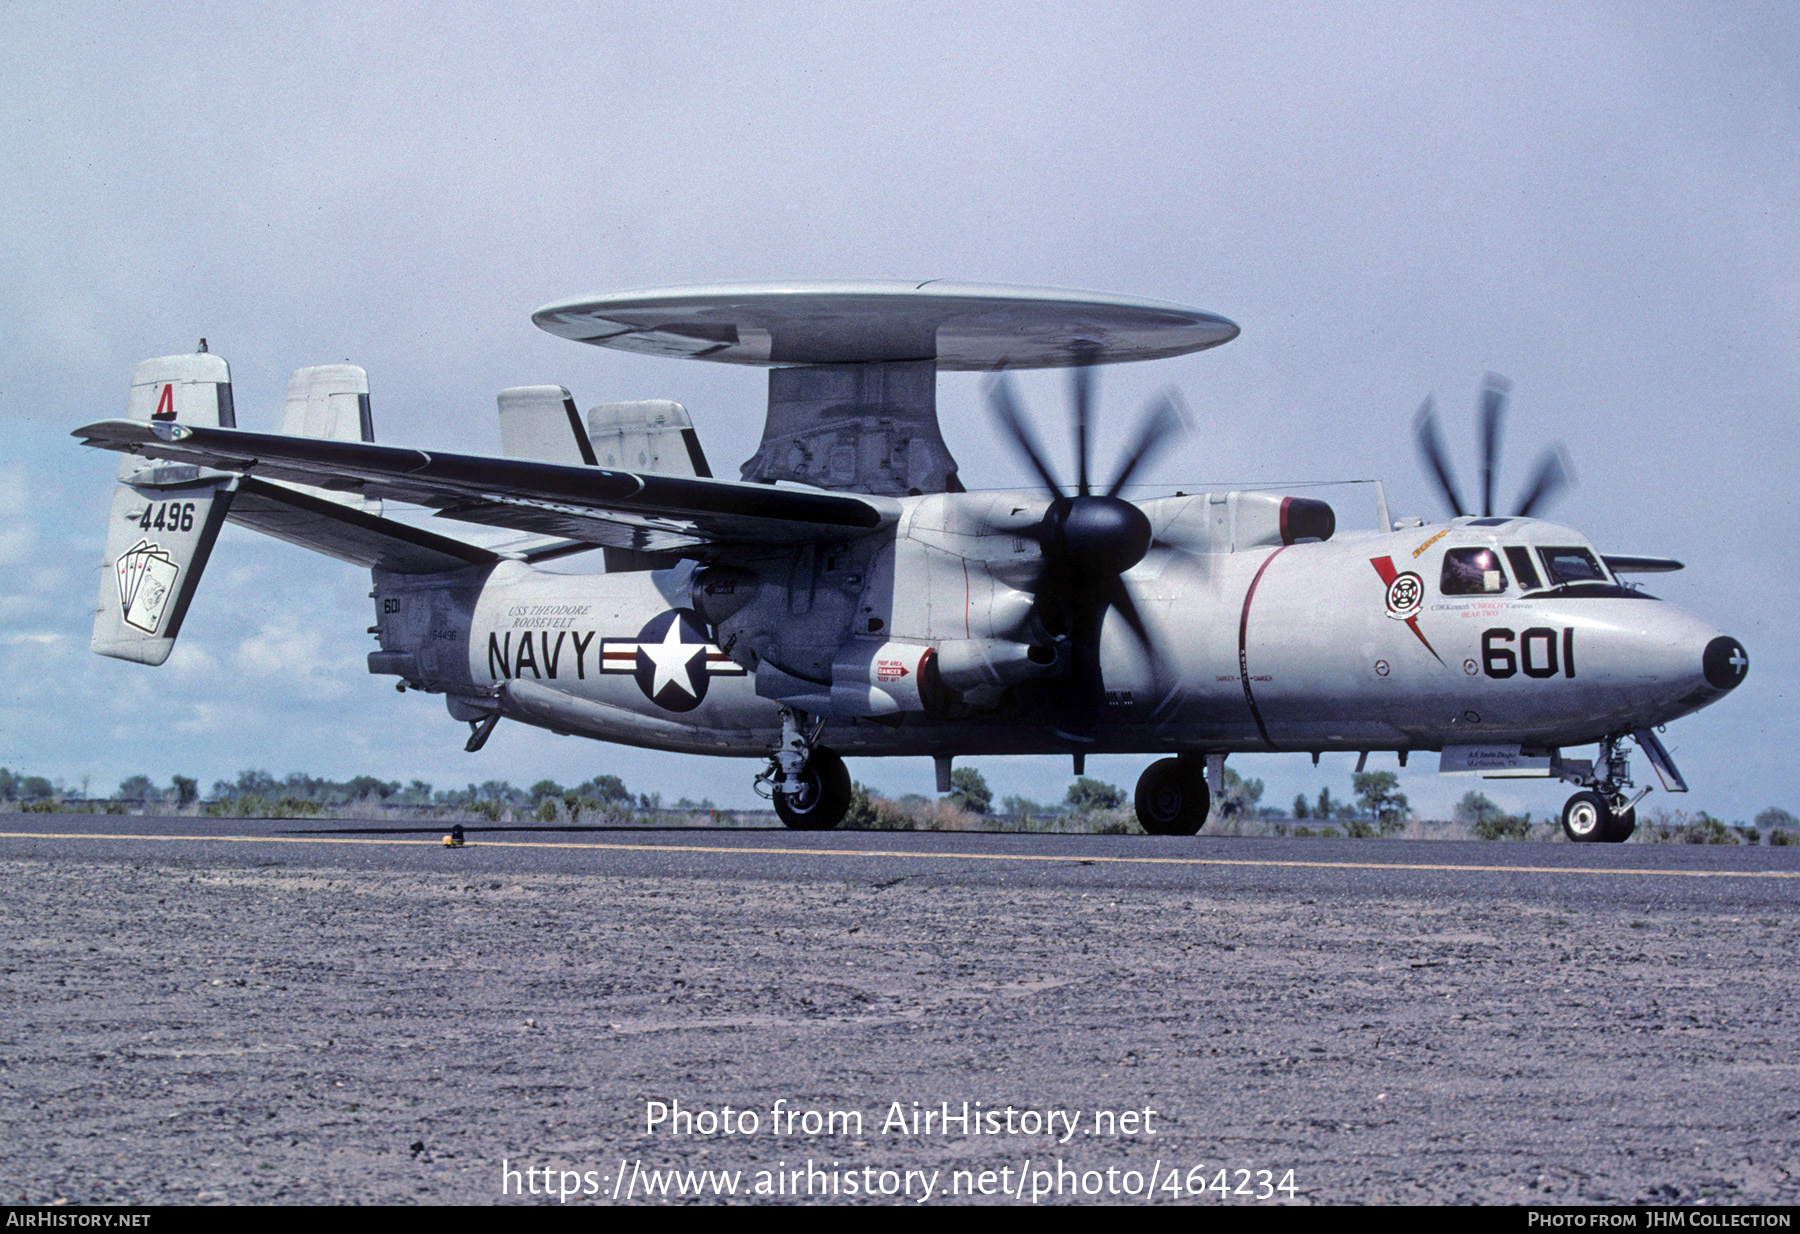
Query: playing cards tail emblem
{"x": 147, "y": 577}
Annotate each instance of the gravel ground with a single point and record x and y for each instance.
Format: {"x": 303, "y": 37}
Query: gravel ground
{"x": 174, "y": 1031}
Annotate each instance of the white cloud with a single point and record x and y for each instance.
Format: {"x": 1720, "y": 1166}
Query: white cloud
{"x": 295, "y": 658}
{"x": 18, "y": 530}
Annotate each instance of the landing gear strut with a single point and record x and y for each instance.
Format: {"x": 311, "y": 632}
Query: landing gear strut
{"x": 809, "y": 782}
{"x": 1172, "y": 797}
{"x": 1601, "y": 813}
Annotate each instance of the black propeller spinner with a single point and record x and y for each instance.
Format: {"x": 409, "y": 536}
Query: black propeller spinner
{"x": 1088, "y": 539}
{"x": 1551, "y": 477}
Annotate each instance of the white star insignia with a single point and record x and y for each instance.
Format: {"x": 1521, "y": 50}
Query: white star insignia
{"x": 671, "y": 658}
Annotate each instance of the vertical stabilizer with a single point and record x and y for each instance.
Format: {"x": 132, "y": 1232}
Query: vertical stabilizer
{"x": 165, "y": 516}
{"x": 541, "y": 423}
{"x": 652, "y": 435}
{"x": 330, "y": 401}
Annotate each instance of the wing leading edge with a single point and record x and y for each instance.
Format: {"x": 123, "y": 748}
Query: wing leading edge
{"x": 594, "y": 505}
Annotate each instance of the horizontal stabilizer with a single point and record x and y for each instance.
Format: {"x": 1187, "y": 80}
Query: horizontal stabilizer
{"x": 348, "y": 533}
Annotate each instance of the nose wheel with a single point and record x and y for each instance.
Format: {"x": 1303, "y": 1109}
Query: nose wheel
{"x": 1589, "y": 818}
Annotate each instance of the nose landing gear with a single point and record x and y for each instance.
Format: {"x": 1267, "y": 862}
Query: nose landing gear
{"x": 1589, "y": 818}
{"x": 1601, "y": 813}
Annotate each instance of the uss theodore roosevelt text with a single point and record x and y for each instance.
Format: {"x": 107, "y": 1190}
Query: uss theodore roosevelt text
{"x": 968, "y": 1118}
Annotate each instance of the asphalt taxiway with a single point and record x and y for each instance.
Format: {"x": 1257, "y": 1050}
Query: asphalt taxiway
{"x": 302, "y": 1010}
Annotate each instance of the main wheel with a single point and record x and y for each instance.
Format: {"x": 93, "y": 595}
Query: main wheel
{"x": 824, "y": 796}
{"x": 1587, "y": 818}
{"x": 1172, "y": 798}
{"x": 1623, "y": 824}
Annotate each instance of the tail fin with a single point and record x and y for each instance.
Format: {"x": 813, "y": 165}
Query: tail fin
{"x": 540, "y": 422}
{"x": 328, "y": 400}
{"x": 650, "y": 435}
{"x": 165, "y": 516}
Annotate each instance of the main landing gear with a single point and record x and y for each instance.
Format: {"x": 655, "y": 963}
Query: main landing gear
{"x": 809, "y": 782}
{"x": 1601, "y": 813}
{"x": 1172, "y": 797}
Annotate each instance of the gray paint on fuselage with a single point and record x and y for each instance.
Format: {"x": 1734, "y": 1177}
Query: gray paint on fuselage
{"x": 1324, "y": 662}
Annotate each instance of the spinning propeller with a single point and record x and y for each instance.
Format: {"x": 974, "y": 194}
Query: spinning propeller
{"x": 1088, "y": 539}
{"x": 1551, "y": 477}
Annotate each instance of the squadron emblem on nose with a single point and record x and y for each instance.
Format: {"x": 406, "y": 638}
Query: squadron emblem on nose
{"x": 1405, "y": 596}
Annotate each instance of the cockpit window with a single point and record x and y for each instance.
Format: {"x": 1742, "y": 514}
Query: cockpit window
{"x": 1523, "y": 570}
{"x": 1472, "y": 572}
{"x": 1572, "y": 565}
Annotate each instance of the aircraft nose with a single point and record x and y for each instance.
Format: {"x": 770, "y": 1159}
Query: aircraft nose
{"x": 1725, "y": 663}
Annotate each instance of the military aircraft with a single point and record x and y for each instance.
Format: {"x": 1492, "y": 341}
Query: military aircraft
{"x": 846, "y": 595}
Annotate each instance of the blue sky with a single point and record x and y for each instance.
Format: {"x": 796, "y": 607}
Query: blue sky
{"x": 1599, "y": 201}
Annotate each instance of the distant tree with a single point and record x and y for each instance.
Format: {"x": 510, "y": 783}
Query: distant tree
{"x": 1301, "y": 808}
{"x": 501, "y": 792}
{"x": 1240, "y": 796}
{"x": 1378, "y": 792}
{"x": 1014, "y": 806}
{"x": 1705, "y": 829}
{"x": 1326, "y": 806}
{"x": 862, "y": 816}
{"x": 607, "y": 790}
{"x": 545, "y": 788}
{"x": 186, "y": 789}
{"x": 1088, "y": 795}
{"x": 969, "y": 791}
{"x": 361, "y": 788}
{"x": 138, "y": 788}
{"x": 36, "y": 788}
{"x": 1488, "y": 821}
{"x": 1774, "y": 817}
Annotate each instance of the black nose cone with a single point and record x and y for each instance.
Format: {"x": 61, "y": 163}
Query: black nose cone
{"x": 1725, "y": 663}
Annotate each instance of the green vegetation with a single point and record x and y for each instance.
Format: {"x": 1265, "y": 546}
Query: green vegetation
{"x": 1089, "y": 796}
{"x": 1488, "y": 821}
{"x": 969, "y": 791}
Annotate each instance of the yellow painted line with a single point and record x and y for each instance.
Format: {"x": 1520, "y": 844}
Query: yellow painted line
{"x": 919, "y": 856}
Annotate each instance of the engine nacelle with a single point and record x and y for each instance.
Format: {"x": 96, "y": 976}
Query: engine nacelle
{"x": 973, "y": 663}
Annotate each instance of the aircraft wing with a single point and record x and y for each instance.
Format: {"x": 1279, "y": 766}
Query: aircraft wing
{"x": 594, "y": 505}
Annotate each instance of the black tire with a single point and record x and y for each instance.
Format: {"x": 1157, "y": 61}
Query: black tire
{"x": 1586, "y": 818}
{"x": 1621, "y": 826}
{"x": 824, "y": 796}
{"x": 1172, "y": 798}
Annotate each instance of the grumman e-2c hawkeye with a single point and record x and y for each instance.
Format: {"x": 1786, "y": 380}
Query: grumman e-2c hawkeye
{"x": 847, "y": 596}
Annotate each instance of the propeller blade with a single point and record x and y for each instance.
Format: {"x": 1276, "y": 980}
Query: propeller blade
{"x": 1087, "y": 684}
{"x": 1553, "y": 475}
{"x": 1494, "y": 389}
{"x": 1005, "y": 407}
{"x": 1431, "y": 446}
{"x": 1120, "y": 597}
{"x": 1163, "y": 419}
{"x": 1081, "y": 380}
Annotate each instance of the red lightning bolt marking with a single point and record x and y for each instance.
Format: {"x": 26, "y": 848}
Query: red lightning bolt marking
{"x": 1384, "y": 566}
